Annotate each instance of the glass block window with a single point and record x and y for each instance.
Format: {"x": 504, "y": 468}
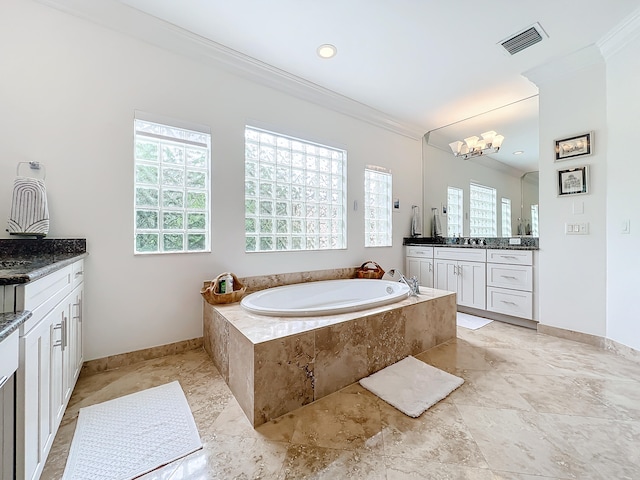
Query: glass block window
{"x": 506, "y": 217}
{"x": 171, "y": 198}
{"x": 377, "y": 207}
{"x": 455, "y": 212}
{"x": 482, "y": 211}
{"x": 295, "y": 194}
{"x": 534, "y": 220}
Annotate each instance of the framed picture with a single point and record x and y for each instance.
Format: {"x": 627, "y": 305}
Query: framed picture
{"x": 573, "y": 181}
{"x": 577, "y": 146}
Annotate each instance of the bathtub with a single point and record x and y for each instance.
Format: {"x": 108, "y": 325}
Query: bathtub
{"x": 326, "y": 297}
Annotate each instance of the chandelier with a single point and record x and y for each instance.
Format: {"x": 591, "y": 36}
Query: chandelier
{"x": 476, "y": 146}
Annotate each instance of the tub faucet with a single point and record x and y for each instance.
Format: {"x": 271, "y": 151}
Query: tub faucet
{"x": 412, "y": 283}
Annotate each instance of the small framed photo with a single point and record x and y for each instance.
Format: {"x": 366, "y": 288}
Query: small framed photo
{"x": 573, "y": 181}
{"x": 577, "y": 146}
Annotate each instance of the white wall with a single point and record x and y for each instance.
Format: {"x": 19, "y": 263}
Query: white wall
{"x": 623, "y": 196}
{"x": 442, "y": 170}
{"x": 573, "y": 267}
{"x": 68, "y": 91}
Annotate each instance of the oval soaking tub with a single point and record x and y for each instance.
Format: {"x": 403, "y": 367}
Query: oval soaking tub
{"x": 326, "y": 297}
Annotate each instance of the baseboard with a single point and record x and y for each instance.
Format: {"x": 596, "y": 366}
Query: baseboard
{"x": 594, "y": 340}
{"x": 91, "y": 367}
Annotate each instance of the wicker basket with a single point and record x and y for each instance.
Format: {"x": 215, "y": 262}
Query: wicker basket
{"x": 211, "y": 291}
{"x": 368, "y": 271}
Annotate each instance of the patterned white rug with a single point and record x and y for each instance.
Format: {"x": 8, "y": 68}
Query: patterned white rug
{"x": 471, "y": 321}
{"x": 132, "y": 435}
{"x": 411, "y": 385}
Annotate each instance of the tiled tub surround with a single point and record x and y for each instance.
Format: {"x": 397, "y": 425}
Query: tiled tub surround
{"x": 275, "y": 365}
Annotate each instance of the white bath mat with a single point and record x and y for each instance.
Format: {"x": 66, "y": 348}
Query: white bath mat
{"x": 132, "y": 435}
{"x": 471, "y": 321}
{"x": 411, "y": 386}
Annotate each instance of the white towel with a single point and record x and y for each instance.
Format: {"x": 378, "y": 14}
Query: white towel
{"x": 436, "y": 226}
{"x": 29, "y": 211}
{"x": 416, "y": 222}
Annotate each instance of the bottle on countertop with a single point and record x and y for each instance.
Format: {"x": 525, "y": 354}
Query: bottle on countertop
{"x": 227, "y": 286}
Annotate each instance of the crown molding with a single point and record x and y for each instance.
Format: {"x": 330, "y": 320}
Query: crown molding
{"x": 621, "y": 35}
{"x": 157, "y": 32}
{"x": 562, "y": 67}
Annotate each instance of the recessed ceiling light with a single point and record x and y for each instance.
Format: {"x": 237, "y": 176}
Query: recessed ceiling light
{"x": 327, "y": 51}
{"x": 518, "y": 152}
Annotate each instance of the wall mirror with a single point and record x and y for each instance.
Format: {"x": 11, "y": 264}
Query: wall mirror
{"x": 518, "y": 155}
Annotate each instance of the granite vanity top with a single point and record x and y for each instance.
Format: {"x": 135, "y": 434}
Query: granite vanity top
{"x": 527, "y": 243}
{"x": 10, "y": 322}
{"x": 25, "y": 260}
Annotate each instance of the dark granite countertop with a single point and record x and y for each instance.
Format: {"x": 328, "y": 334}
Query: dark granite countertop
{"x": 527, "y": 243}
{"x": 25, "y": 260}
{"x": 10, "y": 322}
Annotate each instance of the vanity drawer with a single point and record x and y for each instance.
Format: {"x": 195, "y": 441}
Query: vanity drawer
{"x": 510, "y": 302}
{"x": 416, "y": 251}
{"x": 517, "y": 277}
{"x": 41, "y": 295}
{"x": 453, "y": 253}
{"x": 8, "y": 356}
{"x": 514, "y": 257}
{"x": 77, "y": 273}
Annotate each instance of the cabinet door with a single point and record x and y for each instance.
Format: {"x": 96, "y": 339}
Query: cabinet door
{"x": 426, "y": 273}
{"x": 34, "y": 425}
{"x": 445, "y": 275}
{"x": 74, "y": 336}
{"x": 58, "y": 362}
{"x": 472, "y": 283}
{"x": 413, "y": 268}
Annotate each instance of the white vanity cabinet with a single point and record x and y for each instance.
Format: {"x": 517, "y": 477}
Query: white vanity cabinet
{"x": 50, "y": 361}
{"x": 419, "y": 264}
{"x": 510, "y": 282}
{"x": 462, "y": 270}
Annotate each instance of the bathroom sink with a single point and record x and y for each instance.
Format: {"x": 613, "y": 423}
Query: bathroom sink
{"x": 6, "y": 264}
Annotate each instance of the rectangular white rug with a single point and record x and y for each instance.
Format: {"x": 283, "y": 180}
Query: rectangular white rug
{"x": 411, "y": 385}
{"x": 471, "y": 321}
{"x": 132, "y": 435}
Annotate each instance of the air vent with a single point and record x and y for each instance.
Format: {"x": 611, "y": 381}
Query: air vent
{"x": 526, "y": 38}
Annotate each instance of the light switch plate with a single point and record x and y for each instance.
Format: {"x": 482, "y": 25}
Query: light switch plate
{"x": 576, "y": 228}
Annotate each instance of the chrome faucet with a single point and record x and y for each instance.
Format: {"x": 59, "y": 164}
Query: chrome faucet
{"x": 412, "y": 283}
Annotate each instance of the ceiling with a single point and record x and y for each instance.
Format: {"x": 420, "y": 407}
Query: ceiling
{"x": 423, "y": 63}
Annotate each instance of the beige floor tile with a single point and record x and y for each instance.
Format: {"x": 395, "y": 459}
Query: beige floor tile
{"x": 318, "y": 463}
{"x": 609, "y": 446}
{"x": 554, "y": 394}
{"x": 438, "y": 435}
{"x": 487, "y": 388}
{"x": 341, "y": 420}
{"x": 533, "y": 407}
{"x": 511, "y": 441}
{"x": 400, "y": 468}
{"x": 456, "y": 355}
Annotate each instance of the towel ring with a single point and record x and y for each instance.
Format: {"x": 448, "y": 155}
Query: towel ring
{"x": 33, "y": 166}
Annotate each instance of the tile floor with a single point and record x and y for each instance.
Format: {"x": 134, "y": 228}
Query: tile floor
{"x": 532, "y": 407}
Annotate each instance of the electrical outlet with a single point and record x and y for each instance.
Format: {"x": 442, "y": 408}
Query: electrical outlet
{"x": 515, "y": 241}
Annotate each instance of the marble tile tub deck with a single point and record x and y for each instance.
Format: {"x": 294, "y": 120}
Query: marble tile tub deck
{"x": 275, "y": 365}
{"x": 533, "y": 407}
